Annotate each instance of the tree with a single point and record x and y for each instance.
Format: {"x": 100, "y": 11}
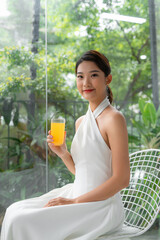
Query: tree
{"x": 74, "y": 27}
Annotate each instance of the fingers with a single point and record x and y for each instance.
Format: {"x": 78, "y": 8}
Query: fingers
{"x": 53, "y": 202}
{"x": 49, "y": 132}
{"x": 59, "y": 201}
{"x": 49, "y": 139}
{"x": 49, "y": 205}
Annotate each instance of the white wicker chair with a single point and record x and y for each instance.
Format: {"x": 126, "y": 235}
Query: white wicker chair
{"x": 141, "y": 198}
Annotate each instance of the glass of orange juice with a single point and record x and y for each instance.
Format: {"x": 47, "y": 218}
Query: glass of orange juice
{"x": 57, "y": 130}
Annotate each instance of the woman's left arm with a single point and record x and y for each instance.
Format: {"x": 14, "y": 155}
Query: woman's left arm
{"x": 118, "y": 140}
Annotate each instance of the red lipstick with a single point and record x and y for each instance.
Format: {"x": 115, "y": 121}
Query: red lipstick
{"x": 88, "y": 90}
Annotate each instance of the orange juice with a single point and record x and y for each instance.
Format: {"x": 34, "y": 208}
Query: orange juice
{"x": 57, "y": 131}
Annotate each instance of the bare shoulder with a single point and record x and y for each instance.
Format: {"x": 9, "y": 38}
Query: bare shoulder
{"x": 115, "y": 128}
{"x": 78, "y": 122}
{"x": 114, "y": 117}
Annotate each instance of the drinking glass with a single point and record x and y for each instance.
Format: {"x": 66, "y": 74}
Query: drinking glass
{"x": 57, "y": 130}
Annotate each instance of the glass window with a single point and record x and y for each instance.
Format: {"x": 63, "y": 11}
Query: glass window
{"x": 22, "y": 115}
{"x": 39, "y": 45}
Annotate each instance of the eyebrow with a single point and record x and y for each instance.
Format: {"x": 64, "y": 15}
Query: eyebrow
{"x": 90, "y": 71}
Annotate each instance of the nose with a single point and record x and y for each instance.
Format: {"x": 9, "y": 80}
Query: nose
{"x": 87, "y": 81}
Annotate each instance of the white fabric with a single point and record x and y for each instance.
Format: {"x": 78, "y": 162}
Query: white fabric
{"x": 28, "y": 220}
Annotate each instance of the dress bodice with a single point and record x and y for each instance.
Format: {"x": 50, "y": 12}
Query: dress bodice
{"x": 90, "y": 153}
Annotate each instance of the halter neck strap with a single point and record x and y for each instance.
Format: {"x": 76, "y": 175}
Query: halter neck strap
{"x": 105, "y": 103}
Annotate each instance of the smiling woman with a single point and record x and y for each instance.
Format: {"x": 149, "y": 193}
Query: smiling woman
{"x": 93, "y": 70}
{"x": 92, "y": 205}
{"x": 89, "y": 78}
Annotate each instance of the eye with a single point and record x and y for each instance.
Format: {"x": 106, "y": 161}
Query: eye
{"x": 94, "y": 75}
{"x": 79, "y": 76}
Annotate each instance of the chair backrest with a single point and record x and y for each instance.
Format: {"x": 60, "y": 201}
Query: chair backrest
{"x": 141, "y": 198}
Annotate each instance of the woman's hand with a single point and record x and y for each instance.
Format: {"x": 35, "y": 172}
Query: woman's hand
{"x": 62, "y": 152}
{"x": 59, "y": 150}
{"x": 59, "y": 201}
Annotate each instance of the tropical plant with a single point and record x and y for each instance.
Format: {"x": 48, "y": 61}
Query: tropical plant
{"x": 147, "y": 127}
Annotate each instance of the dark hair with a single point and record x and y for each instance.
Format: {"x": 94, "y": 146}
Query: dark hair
{"x": 101, "y": 61}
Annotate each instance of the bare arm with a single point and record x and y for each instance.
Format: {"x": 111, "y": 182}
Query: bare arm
{"x": 68, "y": 161}
{"x": 118, "y": 139}
{"x": 62, "y": 151}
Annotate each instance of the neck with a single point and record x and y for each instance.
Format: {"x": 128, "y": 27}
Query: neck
{"x": 94, "y": 104}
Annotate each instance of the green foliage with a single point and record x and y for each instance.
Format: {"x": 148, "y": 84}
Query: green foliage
{"x": 69, "y": 35}
{"x": 21, "y": 185}
{"x": 149, "y": 114}
{"x": 7, "y": 109}
{"x": 17, "y": 56}
{"x": 16, "y": 116}
{"x": 148, "y": 127}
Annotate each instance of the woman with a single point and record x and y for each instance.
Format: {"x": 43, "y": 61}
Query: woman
{"x": 91, "y": 206}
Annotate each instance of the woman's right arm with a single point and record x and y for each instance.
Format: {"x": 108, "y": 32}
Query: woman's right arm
{"x": 62, "y": 152}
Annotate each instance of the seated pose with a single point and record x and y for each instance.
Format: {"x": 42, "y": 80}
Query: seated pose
{"x": 91, "y": 207}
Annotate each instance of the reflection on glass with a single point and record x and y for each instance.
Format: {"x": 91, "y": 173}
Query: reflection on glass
{"x": 22, "y": 122}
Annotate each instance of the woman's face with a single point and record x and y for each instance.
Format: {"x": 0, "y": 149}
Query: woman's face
{"x": 91, "y": 81}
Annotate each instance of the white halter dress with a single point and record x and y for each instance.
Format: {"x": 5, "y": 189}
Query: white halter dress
{"x": 28, "y": 220}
